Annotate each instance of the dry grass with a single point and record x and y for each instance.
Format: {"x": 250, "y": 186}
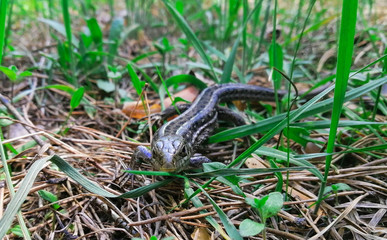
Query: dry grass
{"x": 91, "y": 146}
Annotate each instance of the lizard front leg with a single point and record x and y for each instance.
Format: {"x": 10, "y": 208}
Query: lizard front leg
{"x": 141, "y": 154}
{"x": 197, "y": 160}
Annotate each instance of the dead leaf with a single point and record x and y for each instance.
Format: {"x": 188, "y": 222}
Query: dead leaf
{"x": 189, "y": 94}
{"x": 255, "y": 162}
{"x": 200, "y": 234}
{"x": 137, "y": 111}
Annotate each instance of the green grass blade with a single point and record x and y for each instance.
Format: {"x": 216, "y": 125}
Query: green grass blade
{"x": 184, "y": 26}
{"x": 8, "y": 179}
{"x": 94, "y": 188}
{"x": 3, "y": 15}
{"x": 312, "y": 28}
{"x": 312, "y": 125}
{"x": 67, "y": 24}
{"x": 137, "y": 84}
{"x": 96, "y": 32}
{"x": 282, "y": 157}
{"x": 76, "y": 98}
{"x": 197, "y": 203}
{"x": 228, "y": 225}
{"x": 275, "y": 58}
{"x": 225, "y": 172}
{"x": 344, "y": 60}
{"x": 114, "y": 38}
{"x": 255, "y": 22}
{"x": 233, "y": 7}
{"x": 247, "y": 171}
{"x": 245, "y": 47}
{"x": 8, "y": 29}
{"x": 20, "y": 196}
{"x": 353, "y": 150}
{"x": 226, "y": 76}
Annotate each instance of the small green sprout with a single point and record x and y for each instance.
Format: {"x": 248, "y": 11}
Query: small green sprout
{"x": 14, "y": 74}
{"x": 267, "y": 207}
{"x": 335, "y": 188}
{"x": 74, "y": 103}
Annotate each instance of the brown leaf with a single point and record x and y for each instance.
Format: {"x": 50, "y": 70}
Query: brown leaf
{"x": 200, "y": 234}
{"x": 137, "y": 111}
{"x": 189, "y": 94}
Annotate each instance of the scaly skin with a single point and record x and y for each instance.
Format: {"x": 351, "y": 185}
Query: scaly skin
{"x": 174, "y": 144}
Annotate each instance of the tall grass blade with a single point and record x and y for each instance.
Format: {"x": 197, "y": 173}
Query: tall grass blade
{"x": 197, "y": 203}
{"x": 184, "y": 26}
{"x": 114, "y": 38}
{"x": 255, "y": 21}
{"x": 3, "y": 15}
{"x": 344, "y": 60}
{"x": 226, "y": 76}
{"x": 19, "y": 197}
{"x": 227, "y": 223}
{"x": 67, "y": 23}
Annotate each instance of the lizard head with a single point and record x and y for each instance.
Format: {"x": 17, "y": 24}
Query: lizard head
{"x": 171, "y": 153}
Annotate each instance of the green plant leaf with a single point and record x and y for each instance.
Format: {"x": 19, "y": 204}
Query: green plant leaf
{"x": 269, "y": 205}
{"x": 343, "y": 67}
{"x": 197, "y": 203}
{"x": 249, "y": 228}
{"x": 9, "y": 73}
{"x": 114, "y": 75}
{"x": 77, "y": 97}
{"x": 137, "y": 84}
{"x": 4, "y": 122}
{"x": 95, "y": 30}
{"x": 179, "y": 99}
{"x": 273, "y": 204}
{"x": 251, "y": 202}
{"x": 20, "y": 196}
{"x": 276, "y": 60}
{"x": 114, "y": 38}
{"x": 105, "y": 85}
{"x": 48, "y": 196}
{"x": 337, "y": 187}
{"x": 297, "y": 134}
{"x": 17, "y": 231}
{"x": 228, "y": 225}
{"x": 3, "y": 24}
{"x": 326, "y": 124}
{"x": 25, "y": 74}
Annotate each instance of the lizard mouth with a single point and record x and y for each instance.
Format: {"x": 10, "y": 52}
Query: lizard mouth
{"x": 168, "y": 167}
{"x": 163, "y": 169}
